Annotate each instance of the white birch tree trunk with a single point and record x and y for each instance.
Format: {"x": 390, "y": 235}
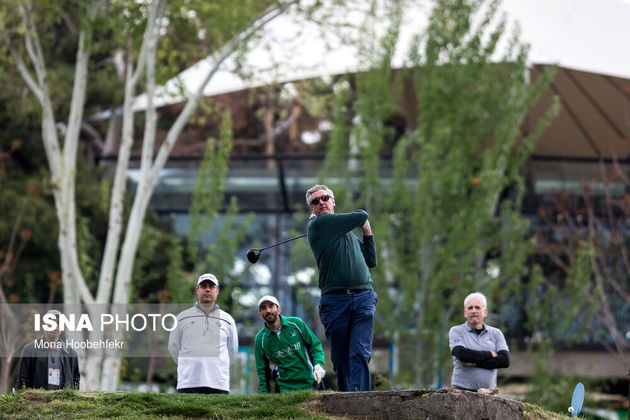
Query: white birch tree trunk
{"x": 98, "y": 372}
{"x": 150, "y": 170}
{"x": 62, "y": 162}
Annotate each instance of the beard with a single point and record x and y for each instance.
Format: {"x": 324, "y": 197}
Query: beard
{"x": 271, "y": 317}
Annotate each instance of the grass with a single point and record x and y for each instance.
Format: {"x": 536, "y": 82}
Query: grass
{"x": 71, "y": 404}
{"x": 534, "y": 412}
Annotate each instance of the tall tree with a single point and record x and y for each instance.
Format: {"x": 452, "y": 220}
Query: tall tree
{"x": 449, "y": 222}
{"x": 24, "y": 210}
{"x": 585, "y": 238}
{"x": 208, "y": 200}
{"x": 24, "y": 33}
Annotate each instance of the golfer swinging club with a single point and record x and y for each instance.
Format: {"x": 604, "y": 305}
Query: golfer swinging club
{"x": 347, "y": 305}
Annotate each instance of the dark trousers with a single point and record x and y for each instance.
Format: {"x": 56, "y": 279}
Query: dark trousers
{"x": 202, "y": 390}
{"x": 348, "y": 321}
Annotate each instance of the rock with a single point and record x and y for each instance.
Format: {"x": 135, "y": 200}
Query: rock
{"x": 415, "y": 404}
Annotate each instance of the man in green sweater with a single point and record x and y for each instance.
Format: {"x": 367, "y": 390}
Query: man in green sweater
{"x": 289, "y": 344}
{"x": 348, "y": 301}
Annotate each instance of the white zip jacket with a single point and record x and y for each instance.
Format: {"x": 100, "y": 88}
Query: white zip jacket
{"x": 203, "y": 347}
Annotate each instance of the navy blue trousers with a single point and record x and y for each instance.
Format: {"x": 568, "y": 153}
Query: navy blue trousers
{"x": 348, "y": 321}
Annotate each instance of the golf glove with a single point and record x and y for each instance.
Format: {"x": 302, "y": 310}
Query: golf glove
{"x": 318, "y": 373}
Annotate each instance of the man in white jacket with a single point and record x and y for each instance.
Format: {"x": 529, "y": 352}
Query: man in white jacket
{"x": 205, "y": 343}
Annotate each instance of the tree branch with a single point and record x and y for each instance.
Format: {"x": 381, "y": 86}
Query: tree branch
{"x": 5, "y": 268}
{"x": 112, "y": 242}
{"x": 33, "y": 47}
{"x": 192, "y": 102}
{"x": 152, "y": 36}
{"x": 21, "y": 66}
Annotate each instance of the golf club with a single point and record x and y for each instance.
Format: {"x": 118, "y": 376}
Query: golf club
{"x": 254, "y": 253}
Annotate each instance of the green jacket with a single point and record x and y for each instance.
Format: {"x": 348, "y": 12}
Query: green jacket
{"x": 295, "y": 350}
{"x": 342, "y": 261}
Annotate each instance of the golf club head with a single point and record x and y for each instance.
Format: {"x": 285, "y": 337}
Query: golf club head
{"x": 253, "y": 255}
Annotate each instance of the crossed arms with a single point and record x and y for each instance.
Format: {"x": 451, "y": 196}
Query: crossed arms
{"x": 482, "y": 359}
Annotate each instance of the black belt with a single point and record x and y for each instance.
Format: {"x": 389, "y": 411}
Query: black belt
{"x": 346, "y": 291}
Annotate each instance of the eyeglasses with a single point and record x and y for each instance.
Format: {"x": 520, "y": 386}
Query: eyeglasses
{"x": 324, "y": 197}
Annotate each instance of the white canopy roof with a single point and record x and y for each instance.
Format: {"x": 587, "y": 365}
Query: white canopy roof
{"x": 586, "y": 35}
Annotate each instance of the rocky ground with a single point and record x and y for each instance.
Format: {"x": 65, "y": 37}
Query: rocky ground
{"x": 439, "y": 404}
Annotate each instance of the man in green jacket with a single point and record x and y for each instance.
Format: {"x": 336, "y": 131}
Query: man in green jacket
{"x": 348, "y": 301}
{"x": 289, "y": 344}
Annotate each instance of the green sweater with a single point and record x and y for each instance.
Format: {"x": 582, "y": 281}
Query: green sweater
{"x": 295, "y": 350}
{"x": 342, "y": 260}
